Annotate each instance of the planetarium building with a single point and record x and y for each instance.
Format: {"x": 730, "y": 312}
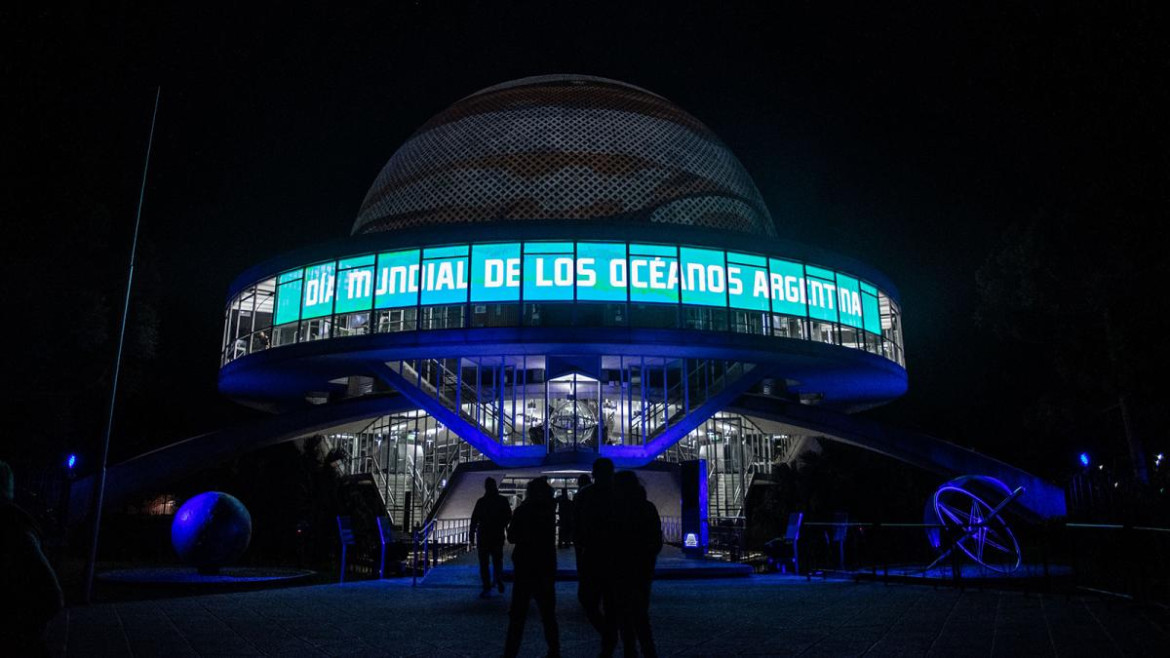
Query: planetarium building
{"x": 560, "y": 268}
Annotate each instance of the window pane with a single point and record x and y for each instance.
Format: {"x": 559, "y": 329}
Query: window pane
{"x": 288, "y": 301}
{"x": 317, "y": 300}
{"x": 352, "y": 324}
{"x": 285, "y": 334}
{"x": 396, "y": 320}
{"x": 788, "y": 326}
{"x": 495, "y": 315}
{"x": 823, "y": 332}
{"x": 265, "y": 304}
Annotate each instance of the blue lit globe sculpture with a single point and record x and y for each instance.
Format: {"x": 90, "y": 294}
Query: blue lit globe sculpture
{"x": 211, "y": 530}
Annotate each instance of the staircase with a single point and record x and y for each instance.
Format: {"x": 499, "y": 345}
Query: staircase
{"x": 703, "y": 380}
{"x": 404, "y": 471}
{"x": 447, "y": 386}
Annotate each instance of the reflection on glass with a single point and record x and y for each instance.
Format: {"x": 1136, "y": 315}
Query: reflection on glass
{"x": 574, "y": 413}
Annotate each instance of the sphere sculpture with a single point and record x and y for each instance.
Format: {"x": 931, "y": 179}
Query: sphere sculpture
{"x": 211, "y": 530}
{"x": 969, "y": 511}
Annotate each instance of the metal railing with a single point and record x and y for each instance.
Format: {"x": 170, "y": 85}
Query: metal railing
{"x": 452, "y": 532}
{"x": 436, "y": 542}
{"x": 697, "y": 386}
{"x": 1126, "y": 560}
{"x": 671, "y": 529}
{"x": 446, "y": 469}
{"x": 369, "y": 464}
{"x": 447, "y": 381}
{"x": 726, "y": 537}
{"x": 1131, "y": 560}
{"x": 422, "y": 537}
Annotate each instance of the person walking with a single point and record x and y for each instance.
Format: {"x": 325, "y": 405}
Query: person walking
{"x": 639, "y": 541}
{"x": 534, "y": 562}
{"x": 489, "y": 519}
{"x": 595, "y": 558}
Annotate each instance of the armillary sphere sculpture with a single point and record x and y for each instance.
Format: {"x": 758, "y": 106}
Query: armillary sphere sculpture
{"x": 968, "y": 513}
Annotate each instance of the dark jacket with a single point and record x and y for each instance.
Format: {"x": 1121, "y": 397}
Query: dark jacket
{"x": 533, "y": 531}
{"x": 595, "y": 527}
{"x": 490, "y": 517}
{"x": 566, "y": 510}
{"x": 639, "y": 534}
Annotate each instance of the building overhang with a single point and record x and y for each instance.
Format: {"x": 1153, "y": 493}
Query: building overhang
{"x": 838, "y": 377}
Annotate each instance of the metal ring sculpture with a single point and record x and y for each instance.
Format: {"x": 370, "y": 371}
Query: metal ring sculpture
{"x": 969, "y": 511}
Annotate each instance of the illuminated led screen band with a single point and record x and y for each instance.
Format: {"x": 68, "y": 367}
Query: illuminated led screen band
{"x": 576, "y": 271}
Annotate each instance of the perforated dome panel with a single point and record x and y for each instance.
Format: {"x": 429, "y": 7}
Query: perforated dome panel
{"x": 564, "y": 148}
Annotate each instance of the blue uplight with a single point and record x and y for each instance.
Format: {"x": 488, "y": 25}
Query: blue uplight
{"x": 71, "y": 461}
{"x": 1084, "y": 459}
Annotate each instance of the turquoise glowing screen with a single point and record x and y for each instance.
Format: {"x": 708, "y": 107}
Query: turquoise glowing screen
{"x": 602, "y": 272}
{"x": 317, "y": 300}
{"x": 536, "y": 272}
{"x": 495, "y": 272}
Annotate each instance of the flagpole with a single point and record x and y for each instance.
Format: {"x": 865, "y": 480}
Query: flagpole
{"x": 100, "y": 485}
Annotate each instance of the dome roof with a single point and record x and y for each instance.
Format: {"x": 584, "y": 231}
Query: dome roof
{"x": 567, "y": 148}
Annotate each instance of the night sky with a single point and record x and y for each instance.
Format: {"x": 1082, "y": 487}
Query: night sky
{"x": 912, "y": 138}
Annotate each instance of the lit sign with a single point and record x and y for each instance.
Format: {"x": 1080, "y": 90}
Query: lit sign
{"x": 551, "y": 271}
{"x": 443, "y": 277}
{"x": 495, "y": 272}
{"x": 576, "y": 271}
{"x": 397, "y": 277}
{"x": 318, "y": 290}
{"x": 691, "y": 540}
{"x": 355, "y": 284}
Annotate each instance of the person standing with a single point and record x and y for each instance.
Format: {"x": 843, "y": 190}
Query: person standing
{"x": 565, "y": 520}
{"x": 595, "y": 558}
{"x": 27, "y": 582}
{"x": 582, "y": 481}
{"x": 489, "y": 519}
{"x": 534, "y": 562}
{"x": 639, "y": 541}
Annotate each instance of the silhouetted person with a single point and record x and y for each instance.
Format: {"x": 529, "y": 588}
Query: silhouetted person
{"x": 489, "y": 519}
{"x": 639, "y": 540}
{"x": 28, "y": 586}
{"x": 583, "y": 481}
{"x": 566, "y": 519}
{"x": 595, "y": 564}
{"x": 534, "y": 562}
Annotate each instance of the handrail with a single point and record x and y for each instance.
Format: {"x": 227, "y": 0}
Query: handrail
{"x": 870, "y": 524}
{"x": 425, "y": 532}
{"x": 448, "y": 470}
{"x": 434, "y": 535}
{"x": 671, "y": 529}
{"x": 1115, "y": 526}
{"x": 378, "y": 472}
{"x": 1119, "y": 557}
{"x": 653, "y": 413}
{"x": 1067, "y": 524}
{"x": 445, "y": 377}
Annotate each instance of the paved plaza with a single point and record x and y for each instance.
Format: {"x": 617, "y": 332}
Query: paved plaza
{"x": 760, "y": 615}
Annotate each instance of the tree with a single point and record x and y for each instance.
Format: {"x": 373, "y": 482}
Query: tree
{"x": 1079, "y": 292}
